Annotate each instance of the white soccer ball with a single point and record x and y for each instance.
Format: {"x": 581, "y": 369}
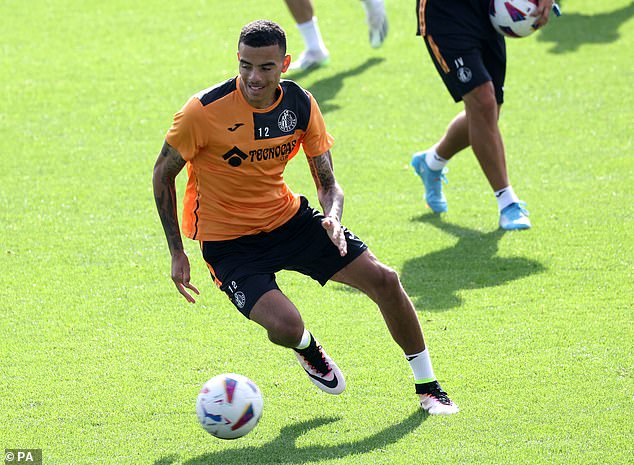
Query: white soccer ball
{"x": 229, "y": 406}
{"x": 512, "y": 18}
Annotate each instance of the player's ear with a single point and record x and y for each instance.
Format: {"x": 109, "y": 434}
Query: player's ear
{"x": 286, "y": 63}
{"x": 238, "y": 53}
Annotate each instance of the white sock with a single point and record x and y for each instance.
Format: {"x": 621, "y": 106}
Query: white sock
{"x": 506, "y": 197}
{"x": 434, "y": 161}
{"x": 305, "y": 342}
{"x": 374, "y": 11}
{"x": 421, "y": 366}
{"x": 312, "y": 36}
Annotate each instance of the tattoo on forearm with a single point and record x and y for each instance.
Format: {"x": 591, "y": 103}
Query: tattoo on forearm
{"x": 321, "y": 169}
{"x": 168, "y": 165}
{"x": 166, "y": 205}
{"x": 329, "y": 193}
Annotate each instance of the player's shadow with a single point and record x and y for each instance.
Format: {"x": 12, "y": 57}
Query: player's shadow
{"x": 571, "y": 30}
{"x": 283, "y": 449}
{"x": 434, "y": 281}
{"x": 326, "y": 90}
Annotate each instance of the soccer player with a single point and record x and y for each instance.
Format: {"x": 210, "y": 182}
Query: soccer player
{"x": 315, "y": 53}
{"x": 235, "y": 139}
{"x": 471, "y": 59}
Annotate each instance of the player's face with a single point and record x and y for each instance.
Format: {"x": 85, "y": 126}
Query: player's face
{"x": 260, "y": 72}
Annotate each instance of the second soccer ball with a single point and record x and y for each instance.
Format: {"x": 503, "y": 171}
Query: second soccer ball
{"x": 512, "y": 18}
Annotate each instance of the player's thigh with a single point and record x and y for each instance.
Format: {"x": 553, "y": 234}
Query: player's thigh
{"x": 494, "y": 59}
{"x": 278, "y": 315}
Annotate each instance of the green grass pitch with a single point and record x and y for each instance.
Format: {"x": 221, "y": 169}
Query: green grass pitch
{"x": 531, "y": 333}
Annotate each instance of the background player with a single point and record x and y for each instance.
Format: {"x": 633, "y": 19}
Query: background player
{"x": 471, "y": 59}
{"x": 315, "y": 53}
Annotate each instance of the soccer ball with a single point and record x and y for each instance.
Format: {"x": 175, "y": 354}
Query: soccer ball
{"x": 512, "y": 18}
{"x": 229, "y": 406}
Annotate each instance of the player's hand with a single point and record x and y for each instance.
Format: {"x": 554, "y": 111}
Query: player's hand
{"x": 542, "y": 12}
{"x": 335, "y": 233}
{"x": 180, "y": 276}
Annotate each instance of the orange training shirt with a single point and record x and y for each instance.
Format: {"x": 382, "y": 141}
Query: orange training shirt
{"x": 236, "y": 155}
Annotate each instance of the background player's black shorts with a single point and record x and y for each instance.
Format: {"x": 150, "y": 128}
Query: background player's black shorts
{"x": 244, "y": 268}
{"x": 463, "y": 45}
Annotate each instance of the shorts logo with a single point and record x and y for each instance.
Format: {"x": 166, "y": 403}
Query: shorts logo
{"x": 287, "y": 121}
{"x": 464, "y": 74}
{"x": 240, "y": 299}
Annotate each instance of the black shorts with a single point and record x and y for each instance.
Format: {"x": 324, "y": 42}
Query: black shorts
{"x": 463, "y": 45}
{"x": 244, "y": 268}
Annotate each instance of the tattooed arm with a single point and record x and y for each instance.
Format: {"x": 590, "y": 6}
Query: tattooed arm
{"x": 330, "y": 195}
{"x": 168, "y": 164}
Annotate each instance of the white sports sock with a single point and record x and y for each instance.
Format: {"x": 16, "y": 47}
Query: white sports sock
{"x": 421, "y": 366}
{"x": 506, "y": 197}
{"x": 312, "y": 36}
{"x": 305, "y": 342}
{"x": 434, "y": 161}
{"x": 374, "y": 11}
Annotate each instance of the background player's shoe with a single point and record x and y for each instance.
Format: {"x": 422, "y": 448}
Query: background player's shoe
{"x": 377, "y": 21}
{"x": 434, "y": 400}
{"x": 320, "y": 368}
{"x": 514, "y": 216}
{"x": 432, "y": 180}
{"x": 310, "y": 59}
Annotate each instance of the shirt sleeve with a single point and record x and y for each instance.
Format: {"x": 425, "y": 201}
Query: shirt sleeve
{"x": 186, "y": 134}
{"x": 316, "y": 140}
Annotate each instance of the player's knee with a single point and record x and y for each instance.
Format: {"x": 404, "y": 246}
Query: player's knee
{"x": 482, "y": 100}
{"x": 286, "y": 333}
{"x": 388, "y": 282}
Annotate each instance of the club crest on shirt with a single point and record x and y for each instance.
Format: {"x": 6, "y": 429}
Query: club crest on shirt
{"x": 287, "y": 121}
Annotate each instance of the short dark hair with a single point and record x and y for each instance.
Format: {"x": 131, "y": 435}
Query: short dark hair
{"x": 262, "y": 33}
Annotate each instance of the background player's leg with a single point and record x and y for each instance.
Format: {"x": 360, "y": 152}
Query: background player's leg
{"x": 301, "y": 10}
{"x": 430, "y": 164}
{"x": 377, "y": 21}
{"x": 481, "y": 111}
{"x": 455, "y": 139}
{"x": 315, "y": 52}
